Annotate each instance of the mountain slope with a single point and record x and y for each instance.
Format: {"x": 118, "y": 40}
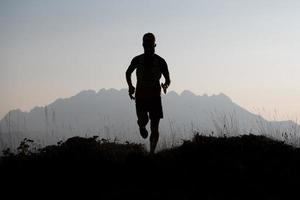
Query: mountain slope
{"x": 110, "y": 113}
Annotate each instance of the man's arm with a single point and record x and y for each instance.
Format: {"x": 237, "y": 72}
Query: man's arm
{"x": 165, "y": 72}
{"x": 167, "y": 78}
{"x": 129, "y": 71}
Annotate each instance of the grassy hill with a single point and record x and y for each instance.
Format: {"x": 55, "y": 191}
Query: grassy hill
{"x": 244, "y": 167}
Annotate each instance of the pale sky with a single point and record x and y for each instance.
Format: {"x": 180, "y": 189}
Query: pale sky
{"x": 246, "y": 49}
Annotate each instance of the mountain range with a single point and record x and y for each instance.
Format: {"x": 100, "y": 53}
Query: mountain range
{"x": 109, "y": 113}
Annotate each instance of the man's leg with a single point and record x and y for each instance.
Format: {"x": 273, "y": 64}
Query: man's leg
{"x": 142, "y": 122}
{"x": 154, "y": 124}
{"x": 142, "y": 115}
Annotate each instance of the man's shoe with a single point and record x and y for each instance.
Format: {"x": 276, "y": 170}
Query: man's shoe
{"x": 143, "y": 132}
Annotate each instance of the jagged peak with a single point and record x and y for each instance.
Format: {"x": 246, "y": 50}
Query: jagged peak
{"x": 36, "y": 108}
{"x": 112, "y": 90}
{"x": 86, "y": 92}
{"x": 172, "y": 93}
{"x": 187, "y": 93}
{"x": 223, "y": 96}
{"x": 101, "y": 90}
{"x": 109, "y": 90}
{"x": 15, "y": 110}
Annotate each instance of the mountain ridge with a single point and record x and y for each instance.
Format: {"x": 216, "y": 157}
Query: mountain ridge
{"x": 93, "y": 92}
{"x": 110, "y": 113}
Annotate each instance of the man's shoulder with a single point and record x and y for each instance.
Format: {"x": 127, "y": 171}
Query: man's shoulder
{"x": 161, "y": 61}
{"x": 137, "y": 58}
{"x": 159, "y": 58}
{"x": 140, "y": 58}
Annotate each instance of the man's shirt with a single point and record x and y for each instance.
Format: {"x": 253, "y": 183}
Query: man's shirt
{"x": 148, "y": 72}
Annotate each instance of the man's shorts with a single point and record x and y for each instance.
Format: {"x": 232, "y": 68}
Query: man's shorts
{"x": 153, "y": 105}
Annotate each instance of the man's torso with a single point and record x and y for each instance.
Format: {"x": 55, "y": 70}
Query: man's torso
{"x": 148, "y": 73}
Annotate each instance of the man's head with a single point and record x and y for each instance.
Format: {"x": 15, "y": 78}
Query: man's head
{"x": 149, "y": 43}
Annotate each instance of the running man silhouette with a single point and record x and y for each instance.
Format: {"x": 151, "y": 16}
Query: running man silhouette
{"x": 149, "y": 68}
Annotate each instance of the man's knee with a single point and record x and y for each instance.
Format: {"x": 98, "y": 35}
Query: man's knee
{"x": 154, "y": 129}
{"x": 142, "y": 120}
{"x": 154, "y": 125}
{"x": 154, "y": 135}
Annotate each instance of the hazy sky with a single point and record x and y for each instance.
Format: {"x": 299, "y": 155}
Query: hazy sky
{"x": 247, "y": 49}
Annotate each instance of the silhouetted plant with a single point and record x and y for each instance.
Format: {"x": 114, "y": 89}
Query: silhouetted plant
{"x": 7, "y": 152}
{"x": 24, "y": 147}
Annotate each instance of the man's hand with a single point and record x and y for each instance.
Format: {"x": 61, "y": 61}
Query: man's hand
{"x": 164, "y": 87}
{"x": 131, "y": 92}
